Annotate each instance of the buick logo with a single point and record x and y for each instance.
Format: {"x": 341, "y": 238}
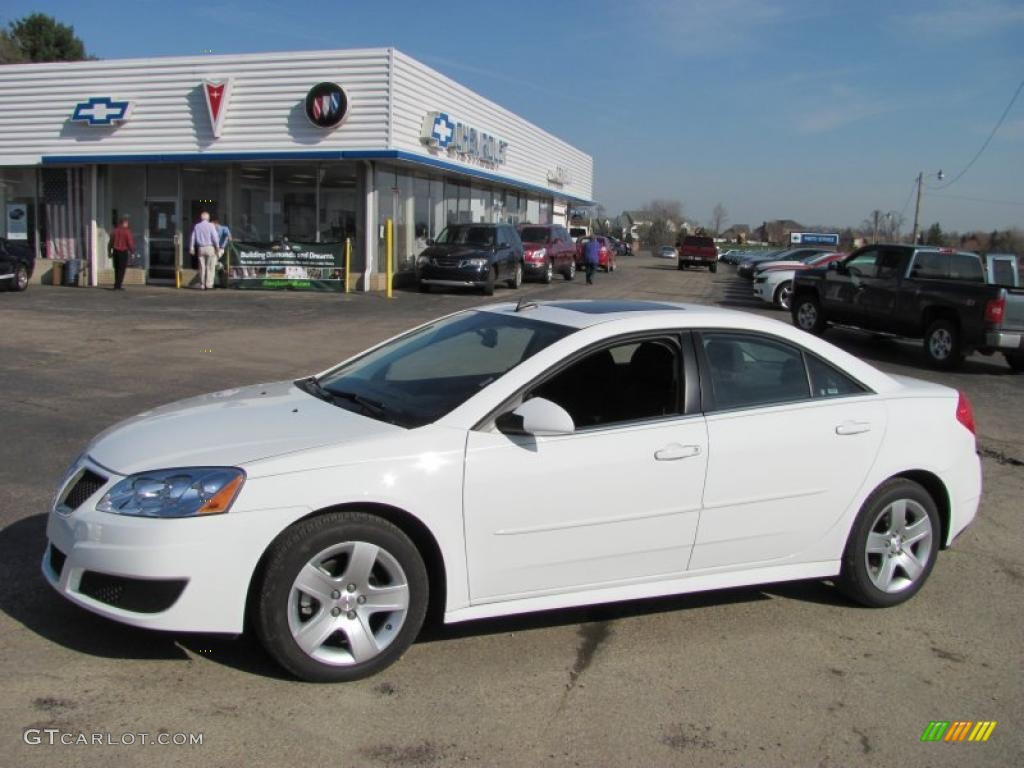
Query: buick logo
{"x": 326, "y": 105}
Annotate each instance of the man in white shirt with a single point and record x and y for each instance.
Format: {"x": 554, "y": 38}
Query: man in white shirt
{"x": 206, "y": 237}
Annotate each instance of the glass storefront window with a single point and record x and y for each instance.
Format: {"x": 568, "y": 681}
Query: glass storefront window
{"x": 478, "y": 204}
{"x": 204, "y": 188}
{"x": 544, "y": 214}
{"x": 338, "y": 203}
{"x": 533, "y": 210}
{"x": 127, "y": 196}
{"x": 18, "y": 203}
{"x": 252, "y": 203}
{"x": 294, "y": 205}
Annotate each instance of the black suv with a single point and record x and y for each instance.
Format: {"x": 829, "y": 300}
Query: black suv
{"x": 472, "y": 255}
{"x": 17, "y": 261}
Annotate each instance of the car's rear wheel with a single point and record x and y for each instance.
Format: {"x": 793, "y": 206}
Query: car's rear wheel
{"x": 942, "y": 344}
{"x": 1016, "y": 361}
{"x": 20, "y": 280}
{"x": 342, "y": 596}
{"x": 517, "y": 276}
{"x": 807, "y": 314}
{"x": 892, "y": 546}
{"x": 784, "y": 295}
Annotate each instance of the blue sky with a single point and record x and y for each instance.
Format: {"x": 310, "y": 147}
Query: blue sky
{"x": 816, "y": 111}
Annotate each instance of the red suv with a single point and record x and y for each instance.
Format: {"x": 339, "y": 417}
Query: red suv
{"x": 547, "y": 248}
{"x": 606, "y": 260}
{"x": 697, "y": 251}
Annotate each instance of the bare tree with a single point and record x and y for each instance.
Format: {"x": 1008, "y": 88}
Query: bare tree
{"x": 666, "y": 209}
{"x": 719, "y": 216}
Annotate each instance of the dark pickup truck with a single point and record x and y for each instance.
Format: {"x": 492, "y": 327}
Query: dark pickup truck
{"x": 935, "y": 294}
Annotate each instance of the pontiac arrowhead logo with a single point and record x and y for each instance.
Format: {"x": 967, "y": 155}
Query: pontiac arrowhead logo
{"x": 217, "y": 94}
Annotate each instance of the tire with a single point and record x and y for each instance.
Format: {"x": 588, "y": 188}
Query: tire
{"x": 423, "y": 287}
{"x": 332, "y": 600}
{"x": 20, "y": 280}
{"x": 713, "y": 268}
{"x": 517, "y": 277}
{"x": 488, "y": 286}
{"x": 807, "y": 314}
{"x": 611, "y": 265}
{"x": 570, "y": 273}
{"x": 1015, "y": 360}
{"x": 942, "y": 344}
{"x": 879, "y": 567}
{"x": 784, "y": 295}
{"x": 549, "y": 272}
{"x": 680, "y": 267}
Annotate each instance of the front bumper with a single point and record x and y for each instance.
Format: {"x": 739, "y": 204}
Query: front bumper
{"x": 765, "y": 291}
{"x": 432, "y": 274}
{"x": 187, "y": 575}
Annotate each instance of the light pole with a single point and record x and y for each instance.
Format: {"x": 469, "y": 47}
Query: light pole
{"x": 917, "y": 206}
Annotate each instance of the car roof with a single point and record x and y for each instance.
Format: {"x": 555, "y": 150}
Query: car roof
{"x": 583, "y": 313}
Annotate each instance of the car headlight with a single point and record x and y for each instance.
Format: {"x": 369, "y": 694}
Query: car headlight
{"x": 473, "y": 263}
{"x": 186, "y": 492}
{"x": 540, "y": 253}
{"x": 422, "y": 261}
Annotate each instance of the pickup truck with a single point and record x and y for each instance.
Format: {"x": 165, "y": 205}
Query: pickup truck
{"x": 936, "y": 294}
{"x": 697, "y": 251}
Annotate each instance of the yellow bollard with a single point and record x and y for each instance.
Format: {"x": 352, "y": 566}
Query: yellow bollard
{"x": 177, "y": 278}
{"x": 390, "y": 249}
{"x": 348, "y": 264}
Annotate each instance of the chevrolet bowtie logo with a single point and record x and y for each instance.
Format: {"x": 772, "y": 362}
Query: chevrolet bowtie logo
{"x": 444, "y": 130}
{"x": 101, "y": 110}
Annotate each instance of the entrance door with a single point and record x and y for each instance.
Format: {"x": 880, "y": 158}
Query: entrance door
{"x": 161, "y": 237}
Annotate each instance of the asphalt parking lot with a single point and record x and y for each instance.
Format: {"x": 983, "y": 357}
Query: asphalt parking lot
{"x": 786, "y": 675}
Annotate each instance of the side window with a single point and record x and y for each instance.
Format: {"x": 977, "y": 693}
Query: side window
{"x": 929, "y": 265}
{"x": 863, "y": 264}
{"x": 748, "y": 370}
{"x": 625, "y": 382}
{"x": 888, "y": 265}
{"x": 964, "y": 266}
{"x": 826, "y": 381}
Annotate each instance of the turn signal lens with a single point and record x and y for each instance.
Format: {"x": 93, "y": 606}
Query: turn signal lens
{"x": 222, "y": 499}
{"x": 965, "y": 413}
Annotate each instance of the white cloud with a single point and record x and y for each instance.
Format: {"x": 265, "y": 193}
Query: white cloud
{"x": 963, "y": 19}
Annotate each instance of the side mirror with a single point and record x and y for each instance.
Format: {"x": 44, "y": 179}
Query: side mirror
{"x": 502, "y": 246}
{"x": 537, "y": 416}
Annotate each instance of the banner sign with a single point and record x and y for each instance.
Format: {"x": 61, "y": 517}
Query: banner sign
{"x": 17, "y": 221}
{"x": 286, "y": 266}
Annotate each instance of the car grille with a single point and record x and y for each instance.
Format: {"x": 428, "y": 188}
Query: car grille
{"x": 445, "y": 261}
{"x": 138, "y": 595}
{"x": 86, "y": 485}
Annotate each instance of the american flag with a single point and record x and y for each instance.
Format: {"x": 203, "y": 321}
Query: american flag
{"x": 64, "y": 197}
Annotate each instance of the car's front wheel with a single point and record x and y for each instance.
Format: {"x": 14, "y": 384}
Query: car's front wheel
{"x": 570, "y": 273}
{"x": 488, "y": 286}
{"x": 517, "y": 276}
{"x": 19, "y": 282}
{"x": 784, "y": 295}
{"x": 549, "y": 271}
{"x": 1016, "y": 361}
{"x": 892, "y": 546}
{"x": 341, "y": 597}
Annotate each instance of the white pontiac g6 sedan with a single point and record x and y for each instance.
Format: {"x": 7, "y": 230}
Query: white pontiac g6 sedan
{"x": 515, "y": 458}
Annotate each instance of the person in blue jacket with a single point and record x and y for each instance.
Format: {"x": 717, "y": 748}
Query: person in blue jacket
{"x": 591, "y": 257}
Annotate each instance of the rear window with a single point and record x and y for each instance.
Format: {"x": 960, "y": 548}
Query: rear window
{"x": 699, "y": 242}
{"x": 534, "y": 234}
{"x": 935, "y": 265}
{"x": 577, "y": 231}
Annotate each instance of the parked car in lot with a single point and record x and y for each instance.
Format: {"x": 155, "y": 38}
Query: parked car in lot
{"x": 773, "y": 281}
{"x": 697, "y": 251}
{"x": 791, "y": 255}
{"x": 606, "y": 259}
{"x": 665, "y": 252}
{"x": 936, "y": 294}
{"x": 443, "y": 467}
{"x": 547, "y": 249}
{"x": 472, "y": 255}
{"x": 17, "y": 262}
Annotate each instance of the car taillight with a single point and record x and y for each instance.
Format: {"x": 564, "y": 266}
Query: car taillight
{"x": 994, "y": 310}
{"x": 965, "y": 413}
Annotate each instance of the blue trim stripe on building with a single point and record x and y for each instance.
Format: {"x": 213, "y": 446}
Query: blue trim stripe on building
{"x": 337, "y": 154}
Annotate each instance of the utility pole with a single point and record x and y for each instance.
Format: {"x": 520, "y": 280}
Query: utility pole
{"x": 917, "y": 208}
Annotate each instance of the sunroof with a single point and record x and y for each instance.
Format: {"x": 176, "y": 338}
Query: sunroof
{"x": 607, "y": 307}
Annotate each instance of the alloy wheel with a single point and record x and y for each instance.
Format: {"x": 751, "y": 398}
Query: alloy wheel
{"x": 807, "y": 316}
{"x": 899, "y": 546}
{"x": 348, "y": 603}
{"x": 940, "y": 343}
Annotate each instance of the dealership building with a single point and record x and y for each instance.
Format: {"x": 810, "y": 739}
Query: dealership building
{"x": 312, "y": 147}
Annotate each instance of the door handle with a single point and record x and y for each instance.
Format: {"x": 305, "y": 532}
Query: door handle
{"x": 675, "y": 452}
{"x": 853, "y": 428}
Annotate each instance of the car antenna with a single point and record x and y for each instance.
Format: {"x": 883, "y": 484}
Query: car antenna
{"x": 525, "y": 303}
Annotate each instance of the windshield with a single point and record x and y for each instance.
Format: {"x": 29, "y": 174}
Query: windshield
{"x": 466, "y": 235}
{"x": 534, "y": 234}
{"x": 419, "y": 377}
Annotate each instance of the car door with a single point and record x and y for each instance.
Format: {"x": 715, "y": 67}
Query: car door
{"x": 6, "y": 263}
{"x": 615, "y": 501}
{"x": 877, "y": 292}
{"x": 792, "y": 439}
{"x": 843, "y": 286}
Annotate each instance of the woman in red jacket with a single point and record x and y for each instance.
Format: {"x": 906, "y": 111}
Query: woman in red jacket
{"x": 122, "y": 246}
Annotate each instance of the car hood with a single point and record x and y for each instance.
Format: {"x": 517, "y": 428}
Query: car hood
{"x": 457, "y": 251}
{"x": 229, "y": 428}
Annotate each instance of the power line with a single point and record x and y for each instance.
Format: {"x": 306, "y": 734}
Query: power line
{"x": 910, "y": 196}
{"x": 984, "y": 146}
